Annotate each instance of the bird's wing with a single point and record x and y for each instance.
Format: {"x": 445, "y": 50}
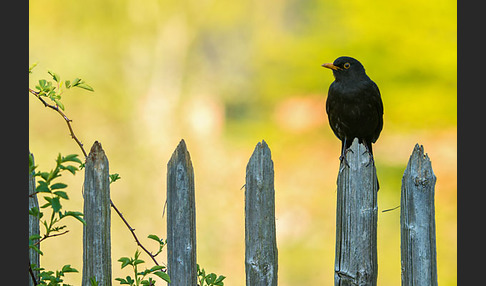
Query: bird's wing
{"x": 378, "y": 103}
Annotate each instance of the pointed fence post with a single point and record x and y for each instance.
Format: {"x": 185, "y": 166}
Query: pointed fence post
{"x": 417, "y": 221}
{"x": 97, "y": 214}
{"x": 356, "y": 220}
{"x": 33, "y": 227}
{"x": 261, "y": 261}
{"x": 181, "y": 219}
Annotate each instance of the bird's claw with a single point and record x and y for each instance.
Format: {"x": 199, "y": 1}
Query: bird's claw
{"x": 342, "y": 158}
{"x": 371, "y": 160}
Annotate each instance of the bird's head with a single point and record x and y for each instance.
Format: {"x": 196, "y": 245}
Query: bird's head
{"x": 344, "y": 68}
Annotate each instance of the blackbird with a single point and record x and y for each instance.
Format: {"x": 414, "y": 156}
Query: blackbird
{"x": 353, "y": 105}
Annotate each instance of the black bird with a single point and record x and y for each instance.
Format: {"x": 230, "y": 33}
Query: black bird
{"x": 354, "y": 106}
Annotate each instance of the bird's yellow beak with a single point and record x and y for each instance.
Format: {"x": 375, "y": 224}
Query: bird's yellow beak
{"x": 331, "y": 66}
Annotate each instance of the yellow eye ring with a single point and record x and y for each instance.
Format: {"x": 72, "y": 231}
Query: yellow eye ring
{"x": 347, "y": 65}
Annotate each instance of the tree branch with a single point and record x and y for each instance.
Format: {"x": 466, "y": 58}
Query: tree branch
{"x": 32, "y": 275}
{"x": 132, "y": 230}
{"x": 50, "y": 235}
{"x": 68, "y": 121}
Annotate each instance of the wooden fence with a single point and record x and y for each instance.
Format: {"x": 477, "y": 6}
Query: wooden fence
{"x": 356, "y": 220}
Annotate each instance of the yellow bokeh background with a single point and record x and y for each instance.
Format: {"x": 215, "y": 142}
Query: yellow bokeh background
{"x": 224, "y": 75}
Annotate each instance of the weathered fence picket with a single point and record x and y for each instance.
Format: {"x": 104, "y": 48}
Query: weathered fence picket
{"x": 260, "y": 235}
{"x": 356, "y": 220}
{"x": 417, "y": 221}
{"x": 97, "y": 214}
{"x": 33, "y": 228}
{"x": 181, "y": 219}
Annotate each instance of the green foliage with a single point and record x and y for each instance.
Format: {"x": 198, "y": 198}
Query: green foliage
{"x": 93, "y": 282}
{"x": 51, "y": 278}
{"x": 161, "y": 242}
{"x": 114, "y": 177}
{"x": 32, "y": 67}
{"x": 139, "y": 277}
{"x": 210, "y": 279}
{"x": 53, "y": 91}
{"x": 54, "y": 195}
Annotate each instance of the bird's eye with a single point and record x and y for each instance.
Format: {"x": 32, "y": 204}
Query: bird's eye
{"x": 347, "y": 65}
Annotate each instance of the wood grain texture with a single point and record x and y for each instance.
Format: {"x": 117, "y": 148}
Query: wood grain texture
{"x": 181, "y": 219}
{"x": 356, "y": 220}
{"x": 261, "y": 258}
{"x": 417, "y": 221}
{"x": 97, "y": 214}
{"x": 33, "y": 226}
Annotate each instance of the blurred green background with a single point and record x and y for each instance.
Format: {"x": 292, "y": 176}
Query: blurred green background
{"x": 224, "y": 75}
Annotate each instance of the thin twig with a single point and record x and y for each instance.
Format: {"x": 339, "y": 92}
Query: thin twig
{"x": 132, "y": 230}
{"x": 68, "y": 121}
{"x": 50, "y": 235}
{"x": 33, "y": 194}
{"x": 387, "y": 210}
{"x": 32, "y": 275}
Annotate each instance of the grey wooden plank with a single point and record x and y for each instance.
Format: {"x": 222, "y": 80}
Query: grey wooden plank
{"x": 181, "y": 219}
{"x": 356, "y": 220}
{"x": 261, "y": 257}
{"x": 34, "y": 228}
{"x": 97, "y": 214}
{"x": 417, "y": 221}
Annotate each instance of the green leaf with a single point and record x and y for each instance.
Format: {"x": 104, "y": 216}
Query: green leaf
{"x": 114, "y": 177}
{"x": 210, "y": 278}
{"x": 76, "y": 81}
{"x": 76, "y": 215}
{"x": 32, "y": 67}
{"x": 61, "y": 194}
{"x": 54, "y": 75}
{"x": 93, "y": 282}
{"x": 58, "y": 186}
{"x": 53, "y": 174}
{"x": 52, "y": 94}
{"x": 122, "y": 281}
{"x": 61, "y": 106}
{"x": 138, "y": 261}
{"x": 144, "y": 273}
{"x": 85, "y": 86}
{"x": 157, "y": 267}
{"x": 71, "y": 169}
{"x": 49, "y": 203}
{"x": 44, "y": 175}
{"x": 42, "y": 84}
{"x": 67, "y": 268}
{"x": 148, "y": 282}
{"x": 154, "y": 237}
{"x": 130, "y": 280}
{"x": 59, "y": 159}
{"x": 42, "y": 187}
{"x": 34, "y": 237}
{"x": 31, "y": 163}
{"x": 71, "y": 213}
{"x": 68, "y": 83}
{"x": 219, "y": 281}
{"x": 36, "y": 249}
{"x": 34, "y": 211}
{"x": 125, "y": 261}
{"x": 71, "y": 158}
{"x": 56, "y": 204}
{"x": 163, "y": 275}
